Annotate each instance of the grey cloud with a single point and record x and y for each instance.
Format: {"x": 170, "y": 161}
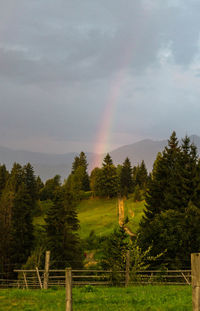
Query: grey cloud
{"x": 59, "y": 61}
{"x": 81, "y": 48}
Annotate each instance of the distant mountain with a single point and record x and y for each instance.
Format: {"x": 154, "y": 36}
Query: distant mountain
{"x": 145, "y": 150}
{"x": 48, "y": 165}
{"x": 45, "y": 165}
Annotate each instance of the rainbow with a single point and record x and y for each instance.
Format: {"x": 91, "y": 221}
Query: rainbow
{"x": 102, "y": 144}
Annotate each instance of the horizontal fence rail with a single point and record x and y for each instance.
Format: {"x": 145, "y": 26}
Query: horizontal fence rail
{"x": 35, "y": 278}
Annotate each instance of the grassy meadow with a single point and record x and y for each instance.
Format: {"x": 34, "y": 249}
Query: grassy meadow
{"x": 141, "y": 298}
{"x": 101, "y": 215}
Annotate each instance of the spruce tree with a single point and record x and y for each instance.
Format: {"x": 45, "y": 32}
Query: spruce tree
{"x": 6, "y": 208}
{"x": 126, "y": 182}
{"x": 21, "y": 226}
{"x": 80, "y": 166}
{"x": 16, "y": 177}
{"x": 114, "y": 251}
{"x": 94, "y": 181}
{"x": 171, "y": 202}
{"x": 50, "y": 187}
{"x": 4, "y": 174}
{"x": 108, "y": 181}
{"x": 30, "y": 181}
{"x": 61, "y": 229}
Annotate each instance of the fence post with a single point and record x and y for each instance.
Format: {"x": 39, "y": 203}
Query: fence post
{"x": 127, "y": 276}
{"x": 195, "y": 265}
{"x": 46, "y": 270}
{"x": 68, "y": 282}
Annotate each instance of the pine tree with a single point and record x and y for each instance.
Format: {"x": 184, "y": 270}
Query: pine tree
{"x": 30, "y": 181}
{"x": 107, "y": 160}
{"x": 80, "y": 166}
{"x": 126, "y": 182}
{"x": 108, "y": 181}
{"x": 50, "y": 187}
{"x": 61, "y": 229}
{"x": 140, "y": 176}
{"x": 16, "y": 177}
{"x": 171, "y": 202}
{"x": 94, "y": 184}
{"x": 3, "y": 177}
{"x": 21, "y": 226}
{"x": 114, "y": 251}
{"x": 6, "y": 207}
{"x": 164, "y": 179}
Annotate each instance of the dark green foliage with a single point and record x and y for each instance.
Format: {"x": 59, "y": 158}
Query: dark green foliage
{"x": 6, "y": 207}
{"x": 17, "y": 206}
{"x": 126, "y": 181}
{"x": 50, "y": 187}
{"x": 21, "y": 226}
{"x": 4, "y": 174}
{"x": 16, "y": 177}
{"x": 61, "y": 229}
{"x": 30, "y": 181}
{"x": 92, "y": 241}
{"x": 79, "y": 167}
{"x": 107, "y": 180}
{"x": 137, "y": 195}
{"x": 115, "y": 249}
{"x": 173, "y": 204}
{"x": 94, "y": 178}
{"x": 107, "y": 160}
{"x": 140, "y": 176}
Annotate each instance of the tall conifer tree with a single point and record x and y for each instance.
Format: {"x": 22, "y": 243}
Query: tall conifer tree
{"x": 126, "y": 180}
{"x": 172, "y": 201}
{"x": 61, "y": 229}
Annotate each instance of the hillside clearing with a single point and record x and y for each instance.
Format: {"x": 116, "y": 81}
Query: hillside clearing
{"x": 101, "y": 215}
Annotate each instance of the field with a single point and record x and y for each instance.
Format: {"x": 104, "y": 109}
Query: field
{"x": 148, "y": 298}
{"x": 101, "y": 215}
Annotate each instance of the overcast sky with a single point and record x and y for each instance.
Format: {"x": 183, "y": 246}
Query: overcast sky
{"x": 61, "y": 62}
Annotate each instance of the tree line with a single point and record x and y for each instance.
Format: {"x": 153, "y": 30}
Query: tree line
{"x": 108, "y": 181}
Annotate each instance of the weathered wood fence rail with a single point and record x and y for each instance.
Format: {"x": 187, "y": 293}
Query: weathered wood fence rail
{"x": 36, "y": 278}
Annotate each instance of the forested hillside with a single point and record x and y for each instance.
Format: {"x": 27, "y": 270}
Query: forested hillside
{"x": 113, "y": 210}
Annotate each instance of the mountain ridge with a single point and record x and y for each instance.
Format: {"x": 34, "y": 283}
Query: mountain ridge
{"x": 47, "y": 165}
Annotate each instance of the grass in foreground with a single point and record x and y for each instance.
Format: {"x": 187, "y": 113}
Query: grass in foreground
{"x": 141, "y": 298}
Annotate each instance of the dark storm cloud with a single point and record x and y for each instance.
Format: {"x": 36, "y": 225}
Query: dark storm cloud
{"x": 59, "y": 60}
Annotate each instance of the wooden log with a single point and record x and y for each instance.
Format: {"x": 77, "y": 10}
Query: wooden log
{"x": 68, "y": 281}
{"x": 195, "y": 264}
{"x": 38, "y": 275}
{"x": 25, "y": 280}
{"x": 46, "y": 270}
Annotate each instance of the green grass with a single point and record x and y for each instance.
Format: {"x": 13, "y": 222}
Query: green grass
{"x": 141, "y": 298}
{"x": 101, "y": 215}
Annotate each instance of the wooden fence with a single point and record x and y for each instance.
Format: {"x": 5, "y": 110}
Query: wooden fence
{"x": 36, "y": 278}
